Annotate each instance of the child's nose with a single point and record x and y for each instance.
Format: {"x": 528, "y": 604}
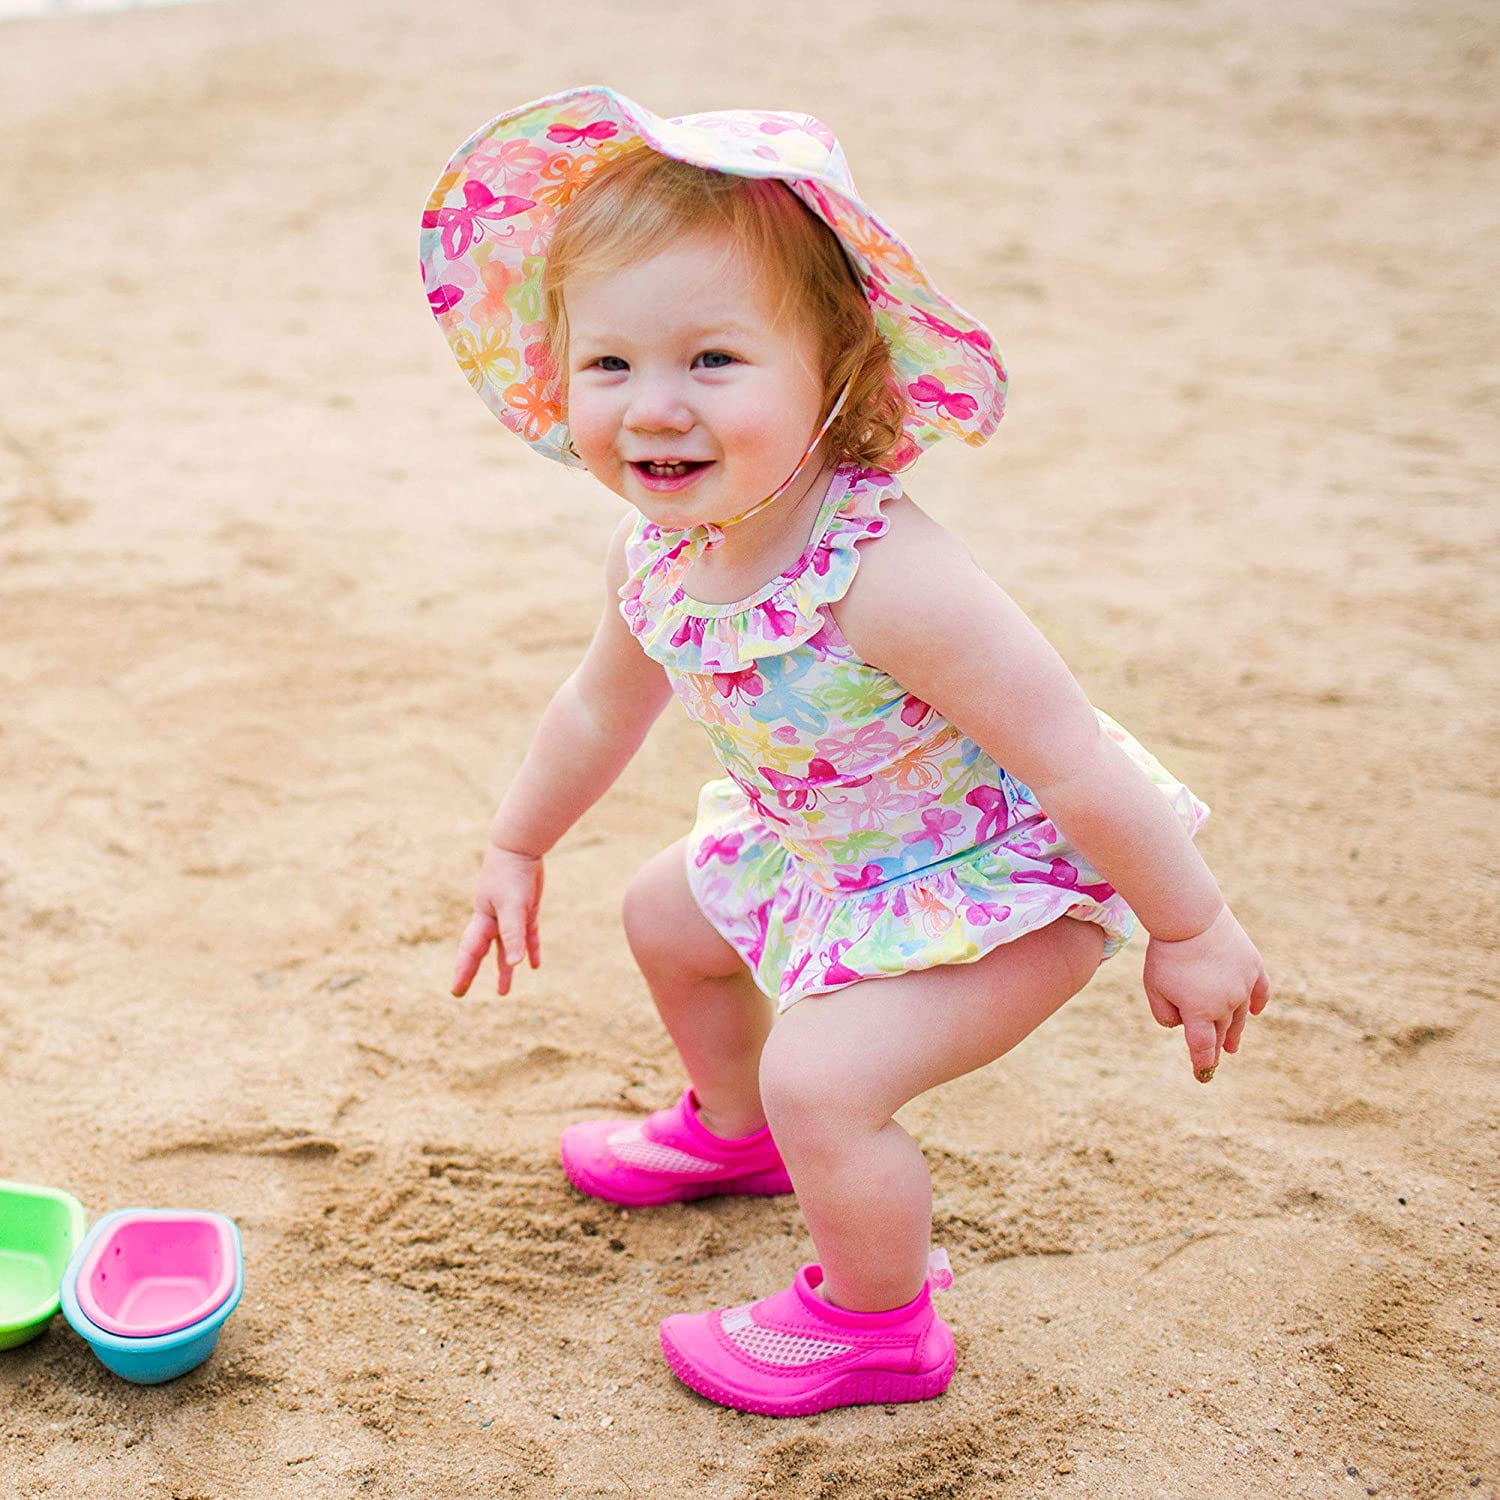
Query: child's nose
{"x": 656, "y": 406}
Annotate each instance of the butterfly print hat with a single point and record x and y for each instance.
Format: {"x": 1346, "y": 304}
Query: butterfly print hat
{"x": 489, "y": 221}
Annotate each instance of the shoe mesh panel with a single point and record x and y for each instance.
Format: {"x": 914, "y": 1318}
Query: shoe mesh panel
{"x": 775, "y": 1346}
{"x": 631, "y": 1147}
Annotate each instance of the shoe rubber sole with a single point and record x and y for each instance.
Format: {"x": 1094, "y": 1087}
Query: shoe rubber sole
{"x": 852, "y": 1388}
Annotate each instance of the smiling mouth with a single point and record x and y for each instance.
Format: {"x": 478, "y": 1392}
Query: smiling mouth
{"x": 673, "y": 470}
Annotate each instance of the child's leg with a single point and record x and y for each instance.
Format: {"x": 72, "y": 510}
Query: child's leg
{"x": 715, "y": 1014}
{"x": 838, "y": 1066}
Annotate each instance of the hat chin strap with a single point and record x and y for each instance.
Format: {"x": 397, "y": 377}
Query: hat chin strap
{"x": 711, "y": 533}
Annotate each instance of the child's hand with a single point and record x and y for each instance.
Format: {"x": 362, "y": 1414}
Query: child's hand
{"x": 1208, "y": 985}
{"x": 505, "y": 907}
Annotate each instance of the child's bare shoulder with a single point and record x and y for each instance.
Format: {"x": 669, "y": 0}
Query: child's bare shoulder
{"x": 915, "y": 571}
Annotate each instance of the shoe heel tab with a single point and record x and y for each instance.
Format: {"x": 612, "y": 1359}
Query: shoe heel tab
{"x": 939, "y": 1271}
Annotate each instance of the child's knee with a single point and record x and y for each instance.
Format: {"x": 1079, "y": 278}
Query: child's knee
{"x": 641, "y": 910}
{"x": 808, "y": 1104}
{"x": 664, "y": 925}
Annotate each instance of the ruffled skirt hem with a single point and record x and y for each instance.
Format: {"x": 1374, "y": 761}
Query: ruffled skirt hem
{"x": 799, "y": 941}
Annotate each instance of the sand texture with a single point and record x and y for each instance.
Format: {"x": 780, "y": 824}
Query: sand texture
{"x": 280, "y": 602}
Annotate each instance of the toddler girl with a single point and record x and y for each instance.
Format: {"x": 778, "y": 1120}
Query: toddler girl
{"x": 926, "y": 840}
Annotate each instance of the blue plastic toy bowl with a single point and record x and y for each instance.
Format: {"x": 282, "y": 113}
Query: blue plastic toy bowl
{"x": 148, "y": 1361}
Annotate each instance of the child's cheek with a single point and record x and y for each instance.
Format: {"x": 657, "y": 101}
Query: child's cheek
{"x": 745, "y": 424}
{"x": 592, "y": 435}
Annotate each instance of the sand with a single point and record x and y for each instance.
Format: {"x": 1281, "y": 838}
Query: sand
{"x": 280, "y": 602}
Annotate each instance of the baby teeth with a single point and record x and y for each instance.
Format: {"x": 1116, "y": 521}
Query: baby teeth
{"x": 665, "y": 469}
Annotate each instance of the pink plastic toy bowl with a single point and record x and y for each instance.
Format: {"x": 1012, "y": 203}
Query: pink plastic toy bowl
{"x": 157, "y": 1270}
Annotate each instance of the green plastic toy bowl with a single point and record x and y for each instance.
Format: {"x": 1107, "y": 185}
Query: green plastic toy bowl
{"x": 39, "y": 1229}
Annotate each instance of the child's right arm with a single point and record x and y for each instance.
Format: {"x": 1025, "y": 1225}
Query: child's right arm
{"x": 587, "y": 734}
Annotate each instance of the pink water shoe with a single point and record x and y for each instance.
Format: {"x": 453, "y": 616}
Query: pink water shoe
{"x": 794, "y": 1354}
{"x": 668, "y": 1157}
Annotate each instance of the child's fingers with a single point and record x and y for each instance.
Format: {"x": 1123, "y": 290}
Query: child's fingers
{"x": 472, "y": 947}
{"x": 518, "y": 942}
{"x": 1202, "y": 1038}
{"x": 1165, "y": 1012}
{"x": 1236, "y": 1026}
{"x": 1260, "y": 996}
{"x": 507, "y": 954}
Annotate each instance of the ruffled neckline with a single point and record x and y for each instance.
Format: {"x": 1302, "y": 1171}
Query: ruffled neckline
{"x": 690, "y": 635}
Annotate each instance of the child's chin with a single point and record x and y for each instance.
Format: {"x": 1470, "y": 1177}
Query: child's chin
{"x": 673, "y": 517}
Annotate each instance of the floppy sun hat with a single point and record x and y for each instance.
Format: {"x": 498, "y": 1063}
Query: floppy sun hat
{"x": 489, "y": 222}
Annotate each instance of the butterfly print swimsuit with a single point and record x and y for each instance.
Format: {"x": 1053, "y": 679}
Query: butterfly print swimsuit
{"x": 856, "y": 833}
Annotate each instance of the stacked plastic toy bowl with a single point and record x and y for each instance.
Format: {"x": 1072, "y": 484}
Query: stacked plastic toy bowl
{"x": 39, "y": 1228}
{"x": 149, "y": 1289}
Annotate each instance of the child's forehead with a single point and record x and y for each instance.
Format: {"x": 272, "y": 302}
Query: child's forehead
{"x": 698, "y": 262}
{"x": 690, "y": 287}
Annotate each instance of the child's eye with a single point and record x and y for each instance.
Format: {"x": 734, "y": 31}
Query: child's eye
{"x": 613, "y": 364}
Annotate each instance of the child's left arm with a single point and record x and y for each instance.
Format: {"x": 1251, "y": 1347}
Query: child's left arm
{"x": 923, "y": 610}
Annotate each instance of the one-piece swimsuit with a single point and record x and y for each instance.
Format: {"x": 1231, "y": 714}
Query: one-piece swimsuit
{"x": 856, "y": 833}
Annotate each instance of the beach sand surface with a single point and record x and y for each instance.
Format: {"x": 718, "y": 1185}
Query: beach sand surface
{"x": 280, "y": 603}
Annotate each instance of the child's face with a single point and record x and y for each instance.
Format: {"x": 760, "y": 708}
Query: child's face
{"x": 677, "y": 357}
